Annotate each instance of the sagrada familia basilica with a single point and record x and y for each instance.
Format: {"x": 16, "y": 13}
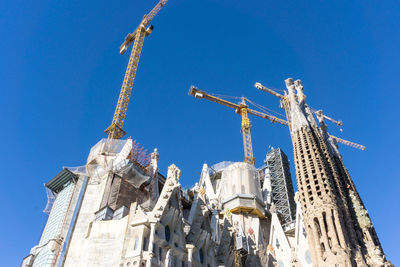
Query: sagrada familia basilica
{"x": 116, "y": 212}
{"x": 118, "y": 209}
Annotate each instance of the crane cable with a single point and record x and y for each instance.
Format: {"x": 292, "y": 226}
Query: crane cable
{"x": 260, "y": 107}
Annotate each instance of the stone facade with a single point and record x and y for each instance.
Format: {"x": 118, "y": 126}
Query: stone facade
{"x": 130, "y": 215}
{"x": 117, "y": 212}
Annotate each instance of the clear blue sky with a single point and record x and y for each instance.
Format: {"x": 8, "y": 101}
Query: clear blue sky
{"x": 60, "y": 76}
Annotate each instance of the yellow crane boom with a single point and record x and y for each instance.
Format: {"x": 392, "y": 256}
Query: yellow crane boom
{"x": 261, "y": 87}
{"x": 115, "y": 131}
{"x": 243, "y": 110}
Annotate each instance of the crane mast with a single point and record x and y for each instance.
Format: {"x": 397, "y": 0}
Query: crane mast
{"x": 241, "y": 109}
{"x": 115, "y": 130}
{"x": 246, "y": 133}
{"x": 284, "y": 100}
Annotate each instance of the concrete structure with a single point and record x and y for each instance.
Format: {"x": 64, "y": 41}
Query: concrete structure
{"x": 281, "y": 187}
{"x": 250, "y": 227}
{"x": 339, "y": 230}
{"x": 68, "y": 191}
{"x": 117, "y": 212}
{"x": 129, "y": 215}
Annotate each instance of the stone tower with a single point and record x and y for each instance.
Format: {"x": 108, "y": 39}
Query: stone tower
{"x": 328, "y": 198}
{"x": 366, "y": 234}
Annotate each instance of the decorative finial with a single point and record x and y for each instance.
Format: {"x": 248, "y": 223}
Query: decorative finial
{"x": 154, "y": 155}
{"x": 298, "y": 85}
{"x": 290, "y": 85}
{"x": 173, "y": 172}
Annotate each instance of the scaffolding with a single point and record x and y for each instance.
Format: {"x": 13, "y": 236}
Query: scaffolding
{"x": 112, "y": 147}
{"x": 277, "y": 164}
{"x": 139, "y": 155}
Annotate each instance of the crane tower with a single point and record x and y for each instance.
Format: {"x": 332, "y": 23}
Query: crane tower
{"x": 243, "y": 110}
{"x": 339, "y": 230}
{"x": 115, "y": 130}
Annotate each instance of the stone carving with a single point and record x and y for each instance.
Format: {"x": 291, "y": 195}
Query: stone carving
{"x": 173, "y": 172}
{"x": 333, "y": 230}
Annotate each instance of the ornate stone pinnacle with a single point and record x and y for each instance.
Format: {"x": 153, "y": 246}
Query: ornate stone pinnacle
{"x": 173, "y": 172}
{"x": 289, "y": 85}
{"x": 155, "y": 154}
{"x": 298, "y": 85}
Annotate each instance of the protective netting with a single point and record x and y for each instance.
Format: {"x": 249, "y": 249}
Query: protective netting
{"x": 221, "y": 165}
{"x": 79, "y": 170}
{"x": 111, "y": 147}
{"x": 51, "y": 196}
{"x": 127, "y": 158}
{"x": 106, "y": 147}
{"x": 131, "y": 173}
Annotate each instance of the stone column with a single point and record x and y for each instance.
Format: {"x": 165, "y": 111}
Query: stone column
{"x": 178, "y": 261}
{"x": 168, "y": 258}
{"x": 151, "y": 243}
{"x": 154, "y": 179}
{"x": 324, "y": 232}
{"x": 312, "y": 240}
{"x": 317, "y": 242}
{"x": 190, "y": 248}
{"x": 342, "y": 237}
{"x": 333, "y": 234}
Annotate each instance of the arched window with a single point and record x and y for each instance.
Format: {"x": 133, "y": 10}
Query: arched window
{"x": 201, "y": 254}
{"x": 167, "y": 233}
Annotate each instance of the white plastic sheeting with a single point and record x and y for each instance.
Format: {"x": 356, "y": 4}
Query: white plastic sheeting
{"x": 51, "y": 196}
{"x": 221, "y": 165}
{"x": 131, "y": 173}
{"x": 79, "y": 170}
{"x": 104, "y": 156}
{"x": 106, "y": 147}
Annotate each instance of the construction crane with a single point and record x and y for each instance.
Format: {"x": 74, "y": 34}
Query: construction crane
{"x": 348, "y": 143}
{"x": 321, "y": 115}
{"x": 338, "y": 123}
{"x": 284, "y": 100}
{"x": 243, "y": 110}
{"x": 115, "y": 131}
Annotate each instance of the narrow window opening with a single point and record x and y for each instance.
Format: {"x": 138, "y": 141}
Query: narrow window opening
{"x": 144, "y": 243}
{"x": 167, "y": 233}
{"x": 334, "y": 226}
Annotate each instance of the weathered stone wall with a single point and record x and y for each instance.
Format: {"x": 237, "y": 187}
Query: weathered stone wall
{"x": 77, "y": 249}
